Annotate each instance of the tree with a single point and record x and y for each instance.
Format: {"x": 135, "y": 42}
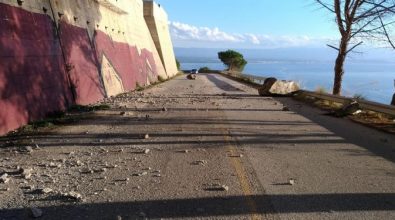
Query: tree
{"x": 233, "y": 60}
{"x": 357, "y": 20}
{"x": 178, "y": 65}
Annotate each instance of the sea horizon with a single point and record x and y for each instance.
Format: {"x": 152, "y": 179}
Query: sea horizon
{"x": 370, "y": 76}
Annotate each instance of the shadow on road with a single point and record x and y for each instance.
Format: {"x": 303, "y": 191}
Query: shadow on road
{"x": 376, "y": 142}
{"x": 222, "y": 84}
{"x": 218, "y": 206}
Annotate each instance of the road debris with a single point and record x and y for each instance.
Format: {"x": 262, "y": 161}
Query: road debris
{"x": 4, "y": 178}
{"x": 45, "y": 190}
{"x": 217, "y": 187}
{"x": 200, "y": 162}
{"x": 141, "y": 174}
{"x": 72, "y": 196}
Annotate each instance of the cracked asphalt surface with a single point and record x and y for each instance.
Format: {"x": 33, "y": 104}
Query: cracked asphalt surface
{"x": 209, "y": 148}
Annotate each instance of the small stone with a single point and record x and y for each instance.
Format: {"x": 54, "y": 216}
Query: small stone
{"x": 157, "y": 175}
{"x": 123, "y": 180}
{"x": 218, "y": 187}
{"x": 52, "y": 165}
{"x": 238, "y": 155}
{"x": 4, "y": 178}
{"x": 200, "y": 162}
{"x": 36, "y": 147}
{"x": 27, "y": 173}
{"x": 285, "y": 109}
{"x": 291, "y": 182}
{"x": 164, "y": 109}
{"x": 146, "y": 151}
{"x": 122, "y": 113}
{"x": 36, "y": 212}
{"x": 45, "y": 190}
{"x": 141, "y": 174}
{"x": 86, "y": 171}
{"x": 224, "y": 188}
{"x": 73, "y": 195}
{"x": 28, "y": 149}
{"x": 146, "y": 136}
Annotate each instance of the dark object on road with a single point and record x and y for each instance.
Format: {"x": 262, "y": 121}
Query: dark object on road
{"x": 194, "y": 71}
{"x": 274, "y": 87}
{"x": 349, "y": 109}
{"x": 191, "y": 76}
{"x": 393, "y": 100}
{"x": 285, "y": 109}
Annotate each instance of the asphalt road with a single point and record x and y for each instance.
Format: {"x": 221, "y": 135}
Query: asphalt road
{"x": 216, "y": 151}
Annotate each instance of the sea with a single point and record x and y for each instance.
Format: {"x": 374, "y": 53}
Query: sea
{"x": 371, "y": 78}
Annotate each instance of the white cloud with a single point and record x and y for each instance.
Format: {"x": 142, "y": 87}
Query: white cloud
{"x": 184, "y": 34}
{"x": 181, "y": 31}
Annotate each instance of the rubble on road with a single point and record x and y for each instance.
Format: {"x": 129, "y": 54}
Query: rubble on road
{"x": 191, "y": 76}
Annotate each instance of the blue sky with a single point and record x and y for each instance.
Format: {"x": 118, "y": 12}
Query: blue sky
{"x": 249, "y": 23}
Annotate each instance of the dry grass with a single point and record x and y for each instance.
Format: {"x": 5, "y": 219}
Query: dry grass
{"x": 373, "y": 119}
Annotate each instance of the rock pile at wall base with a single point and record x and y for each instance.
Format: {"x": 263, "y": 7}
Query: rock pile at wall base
{"x": 56, "y": 53}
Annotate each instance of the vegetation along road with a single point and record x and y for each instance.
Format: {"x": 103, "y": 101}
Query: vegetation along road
{"x": 209, "y": 148}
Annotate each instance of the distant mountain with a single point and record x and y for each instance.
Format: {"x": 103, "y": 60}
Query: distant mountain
{"x": 291, "y": 54}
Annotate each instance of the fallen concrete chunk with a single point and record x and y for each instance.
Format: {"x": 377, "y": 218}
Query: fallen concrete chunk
{"x": 285, "y": 109}
{"x": 141, "y": 174}
{"x": 191, "y": 76}
{"x": 217, "y": 187}
{"x": 72, "y": 195}
{"x": 27, "y": 149}
{"x": 27, "y": 173}
{"x": 4, "y": 178}
{"x": 45, "y": 190}
{"x": 274, "y": 87}
{"x": 200, "y": 162}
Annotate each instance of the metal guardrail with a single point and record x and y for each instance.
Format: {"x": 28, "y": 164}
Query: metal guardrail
{"x": 367, "y": 105}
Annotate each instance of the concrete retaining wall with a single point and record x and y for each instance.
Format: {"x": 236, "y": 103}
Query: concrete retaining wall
{"x": 56, "y": 53}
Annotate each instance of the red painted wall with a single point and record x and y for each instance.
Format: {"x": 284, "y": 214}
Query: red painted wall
{"x": 130, "y": 65}
{"x": 81, "y": 64}
{"x": 33, "y": 81}
{"x": 43, "y": 70}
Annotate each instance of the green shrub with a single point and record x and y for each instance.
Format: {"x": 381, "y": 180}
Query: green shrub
{"x": 178, "y": 65}
{"x": 359, "y": 97}
{"x": 205, "y": 70}
{"x": 233, "y": 60}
